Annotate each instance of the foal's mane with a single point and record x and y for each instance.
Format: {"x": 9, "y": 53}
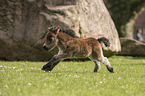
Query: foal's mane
{"x": 67, "y": 31}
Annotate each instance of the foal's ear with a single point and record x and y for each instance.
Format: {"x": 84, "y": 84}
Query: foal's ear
{"x": 49, "y": 28}
{"x": 57, "y": 31}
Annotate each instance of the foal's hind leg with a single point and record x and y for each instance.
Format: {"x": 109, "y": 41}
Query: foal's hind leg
{"x": 98, "y": 55}
{"x": 105, "y": 61}
{"x": 97, "y": 66}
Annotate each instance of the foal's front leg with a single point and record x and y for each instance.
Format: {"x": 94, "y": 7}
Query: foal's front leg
{"x": 53, "y": 62}
{"x": 50, "y": 65}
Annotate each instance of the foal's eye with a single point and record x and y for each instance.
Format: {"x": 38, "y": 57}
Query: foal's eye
{"x": 51, "y": 38}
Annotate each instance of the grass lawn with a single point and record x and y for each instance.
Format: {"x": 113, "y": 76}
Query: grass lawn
{"x": 73, "y": 78}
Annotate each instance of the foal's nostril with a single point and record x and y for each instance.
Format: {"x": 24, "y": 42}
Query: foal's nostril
{"x": 45, "y": 47}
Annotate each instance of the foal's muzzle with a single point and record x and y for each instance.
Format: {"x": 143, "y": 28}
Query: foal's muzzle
{"x": 45, "y": 47}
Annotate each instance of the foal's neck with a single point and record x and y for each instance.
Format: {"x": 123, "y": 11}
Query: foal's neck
{"x": 62, "y": 39}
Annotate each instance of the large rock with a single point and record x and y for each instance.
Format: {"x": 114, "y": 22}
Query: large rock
{"x": 132, "y": 47}
{"x": 23, "y": 24}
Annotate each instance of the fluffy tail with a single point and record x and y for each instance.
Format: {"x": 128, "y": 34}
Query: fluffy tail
{"x": 105, "y": 41}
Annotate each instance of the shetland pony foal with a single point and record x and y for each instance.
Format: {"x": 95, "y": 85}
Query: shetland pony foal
{"x": 70, "y": 47}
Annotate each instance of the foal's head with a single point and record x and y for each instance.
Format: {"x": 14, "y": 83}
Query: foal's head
{"x": 51, "y": 38}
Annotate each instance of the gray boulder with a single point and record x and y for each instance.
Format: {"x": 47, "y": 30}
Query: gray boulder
{"x": 23, "y": 24}
{"x": 132, "y": 47}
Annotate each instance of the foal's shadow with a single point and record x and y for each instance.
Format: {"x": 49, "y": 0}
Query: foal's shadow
{"x": 58, "y": 71}
{"x": 80, "y": 72}
{"x": 55, "y": 71}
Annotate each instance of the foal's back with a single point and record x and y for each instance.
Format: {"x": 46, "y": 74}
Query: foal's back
{"x": 79, "y": 47}
{"x": 85, "y": 42}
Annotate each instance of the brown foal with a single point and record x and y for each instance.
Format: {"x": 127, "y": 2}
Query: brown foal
{"x": 70, "y": 47}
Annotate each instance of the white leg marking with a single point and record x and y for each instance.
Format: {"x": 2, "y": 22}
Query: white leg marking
{"x": 104, "y": 60}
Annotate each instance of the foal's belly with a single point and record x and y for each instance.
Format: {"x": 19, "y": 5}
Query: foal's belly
{"x": 79, "y": 48}
{"x": 81, "y": 52}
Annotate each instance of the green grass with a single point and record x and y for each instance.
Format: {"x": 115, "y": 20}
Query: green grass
{"x": 73, "y": 78}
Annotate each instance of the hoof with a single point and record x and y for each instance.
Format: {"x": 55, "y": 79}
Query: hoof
{"x": 110, "y": 69}
{"x": 96, "y": 71}
{"x": 44, "y": 67}
{"x": 48, "y": 69}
